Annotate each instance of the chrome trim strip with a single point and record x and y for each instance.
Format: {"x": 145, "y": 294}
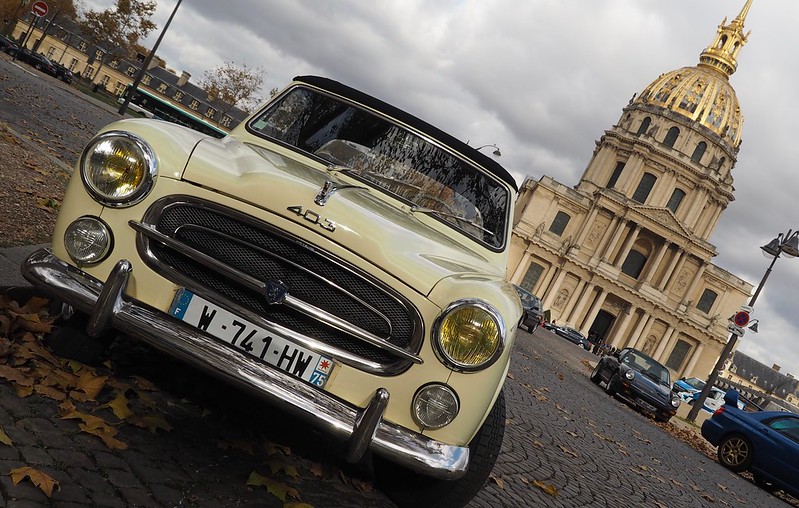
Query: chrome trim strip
{"x": 137, "y": 319}
{"x": 260, "y": 286}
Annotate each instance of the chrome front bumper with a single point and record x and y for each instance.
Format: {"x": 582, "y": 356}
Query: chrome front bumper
{"x": 109, "y": 308}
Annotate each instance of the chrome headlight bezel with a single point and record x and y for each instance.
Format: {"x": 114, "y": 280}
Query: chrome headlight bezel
{"x": 675, "y": 401}
{"x": 629, "y": 374}
{"x": 447, "y": 410}
{"x": 460, "y": 305}
{"x": 99, "y": 230}
{"x": 94, "y": 165}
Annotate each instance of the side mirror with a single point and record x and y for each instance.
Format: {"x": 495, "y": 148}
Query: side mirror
{"x": 731, "y": 397}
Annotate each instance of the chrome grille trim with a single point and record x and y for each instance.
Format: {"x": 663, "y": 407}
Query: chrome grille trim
{"x": 403, "y": 351}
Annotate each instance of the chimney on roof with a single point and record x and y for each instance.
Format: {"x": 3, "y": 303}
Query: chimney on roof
{"x": 184, "y": 78}
{"x": 776, "y": 367}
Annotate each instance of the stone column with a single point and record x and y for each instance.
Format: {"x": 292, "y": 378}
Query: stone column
{"x": 667, "y": 351}
{"x": 694, "y": 283}
{"x": 641, "y": 340}
{"x": 592, "y": 313}
{"x": 553, "y": 290}
{"x": 628, "y": 245}
{"x": 677, "y": 271}
{"x": 655, "y": 263}
{"x": 663, "y": 341}
{"x": 547, "y": 279}
{"x": 638, "y": 329}
{"x": 670, "y": 270}
{"x": 587, "y": 226}
{"x": 618, "y": 334}
{"x": 600, "y": 249}
{"x": 613, "y": 241}
{"x": 521, "y": 268}
{"x": 689, "y": 370}
{"x": 574, "y": 301}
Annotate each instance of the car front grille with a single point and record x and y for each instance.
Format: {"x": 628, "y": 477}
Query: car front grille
{"x": 199, "y": 230}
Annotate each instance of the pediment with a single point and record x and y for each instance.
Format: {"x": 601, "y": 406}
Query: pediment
{"x": 664, "y": 217}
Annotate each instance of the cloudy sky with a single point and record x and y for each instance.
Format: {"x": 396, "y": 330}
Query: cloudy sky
{"x": 543, "y": 79}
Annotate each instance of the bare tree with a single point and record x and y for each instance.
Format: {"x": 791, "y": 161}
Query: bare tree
{"x": 120, "y": 29}
{"x": 233, "y": 85}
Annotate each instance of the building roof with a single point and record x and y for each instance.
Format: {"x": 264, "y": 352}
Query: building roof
{"x": 762, "y": 376}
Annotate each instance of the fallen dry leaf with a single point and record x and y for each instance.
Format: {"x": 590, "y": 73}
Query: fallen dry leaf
{"x": 43, "y": 481}
{"x": 546, "y": 487}
{"x": 277, "y": 489}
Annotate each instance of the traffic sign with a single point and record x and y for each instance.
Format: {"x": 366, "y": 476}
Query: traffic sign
{"x": 741, "y": 318}
{"x": 39, "y": 8}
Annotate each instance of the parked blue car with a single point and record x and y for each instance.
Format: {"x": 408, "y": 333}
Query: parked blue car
{"x": 765, "y": 443}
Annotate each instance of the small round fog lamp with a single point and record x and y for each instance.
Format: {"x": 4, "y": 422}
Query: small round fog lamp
{"x": 435, "y": 406}
{"x": 88, "y": 240}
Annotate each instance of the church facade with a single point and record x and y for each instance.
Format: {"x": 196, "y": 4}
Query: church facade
{"x": 625, "y": 253}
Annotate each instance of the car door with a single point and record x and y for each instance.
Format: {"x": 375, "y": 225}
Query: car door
{"x": 778, "y": 444}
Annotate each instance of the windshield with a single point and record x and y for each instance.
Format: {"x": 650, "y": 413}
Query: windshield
{"x": 648, "y": 367}
{"x": 392, "y": 158}
{"x": 695, "y": 383}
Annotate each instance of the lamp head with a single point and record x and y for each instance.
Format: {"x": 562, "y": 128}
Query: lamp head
{"x": 791, "y": 246}
{"x": 773, "y": 247}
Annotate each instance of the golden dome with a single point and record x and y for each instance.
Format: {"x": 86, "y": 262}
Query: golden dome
{"x": 703, "y": 93}
{"x": 700, "y": 94}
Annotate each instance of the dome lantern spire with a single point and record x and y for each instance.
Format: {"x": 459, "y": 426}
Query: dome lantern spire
{"x": 722, "y": 54}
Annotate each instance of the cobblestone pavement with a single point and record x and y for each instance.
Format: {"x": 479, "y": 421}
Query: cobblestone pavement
{"x": 566, "y": 436}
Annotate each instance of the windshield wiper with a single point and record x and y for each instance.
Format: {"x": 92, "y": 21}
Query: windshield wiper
{"x": 452, "y": 216}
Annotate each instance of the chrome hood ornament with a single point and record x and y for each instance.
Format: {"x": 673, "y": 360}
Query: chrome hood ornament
{"x": 329, "y": 188}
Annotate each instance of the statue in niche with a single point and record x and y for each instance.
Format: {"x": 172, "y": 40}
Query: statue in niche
{"x": 560, "y": 300}
{"x": 539, "y": 230}
{"x": 649, "y": 345}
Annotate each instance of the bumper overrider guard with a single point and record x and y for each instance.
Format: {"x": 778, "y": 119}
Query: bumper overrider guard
{"x": 109, "y": 308}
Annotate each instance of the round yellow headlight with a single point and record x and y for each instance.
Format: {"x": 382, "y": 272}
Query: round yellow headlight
{"x": 469, "y": 335}
{"x": 118, "y": 169}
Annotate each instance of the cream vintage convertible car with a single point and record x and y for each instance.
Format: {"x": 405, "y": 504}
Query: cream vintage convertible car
{"x": 334, "y": 255}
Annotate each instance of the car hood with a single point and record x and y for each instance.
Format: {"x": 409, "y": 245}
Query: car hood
{"x": 402, "y": 243}
{"x": 648, "y": 386}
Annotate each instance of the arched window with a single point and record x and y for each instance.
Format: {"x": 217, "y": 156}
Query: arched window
{"x": 671, "y": 137}
{"x": 678, "y": 355}
{"x": 699, "y": 151}
{"x": 634, "y": 264}
{"x": 707, "y": 300}
{"x": 675, "y": 200}
{"x": 559, "y": 223}
{"x": 644, "y": 125}
{"x": 615, "y": 176}
{"x": 644, "y": 187}
{"x": 531, "y": 276}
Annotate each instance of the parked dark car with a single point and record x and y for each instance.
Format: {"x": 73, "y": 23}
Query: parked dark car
{"x": 765, "y": 443}
{"x": 62, "y": 73}
{"x": 7, "y": 45}
{"x": 35, "y": 60}
{"x": 573, "y": 336}
{"x": 639, "y": 380}
{"x": 532, "y": 309}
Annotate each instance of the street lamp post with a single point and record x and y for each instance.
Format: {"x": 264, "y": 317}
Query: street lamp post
{"x": 496, "y": 151}
{"x": 143, "y": 70}
{"x": 787, "y": 244}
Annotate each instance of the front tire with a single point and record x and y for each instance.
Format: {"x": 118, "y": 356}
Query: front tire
{"x": 609, "y": 388}
{"x": 596, "y": 378}
{"x": 735, "y": 453}
{"x": 409, "y": 489}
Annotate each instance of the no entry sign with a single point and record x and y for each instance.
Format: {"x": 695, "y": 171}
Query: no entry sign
{"x": 39, "y": 8}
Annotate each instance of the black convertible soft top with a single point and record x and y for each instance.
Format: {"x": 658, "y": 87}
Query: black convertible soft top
{"x": 417, "y": 123}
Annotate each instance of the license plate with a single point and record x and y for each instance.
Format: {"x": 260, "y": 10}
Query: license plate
{"x": 646, "y": 406}
{"x": 270, "y": 347}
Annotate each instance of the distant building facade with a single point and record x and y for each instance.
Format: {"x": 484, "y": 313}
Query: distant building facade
{"x": 766, "y": 386}
{"x": 66, "y": 47}
{"x": 625, "y": 253}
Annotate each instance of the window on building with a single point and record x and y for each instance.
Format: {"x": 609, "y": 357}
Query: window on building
{"x": 707, "y": 300}
{"x": 616, "y": 174}
{"x": 559, "y": 224}
{"x": 644, "y": 187}
{"x": 699, "y": 151}
{"x": 195, "y": 105}
{"x": 210, "y": 112}
{"x": 130, "y": 71}
{"x": 225, "y": 122}
{"x": 98, "y": 55}
{"x": 146, "y": 79}
{"x": 83, "y": 46}
{"x": 644, "y": 125}
{"x": 178, "y": 96}
{"x": 671, "y": 137}
{"x": 73, "y": 64}
{"x": 113, "y": 63}
{"x": 163, "y": 87}
{"x": 678, "y": 355}
{"x": 105, "y": 80}
{"x": 530, "y": 278}
{"x": 120, "y": 89}
{"x": 675, "y": 200}
{"x": 88, "y": 72}
{"x": 50, "y": 53}
{"x": 634, "y": 264}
